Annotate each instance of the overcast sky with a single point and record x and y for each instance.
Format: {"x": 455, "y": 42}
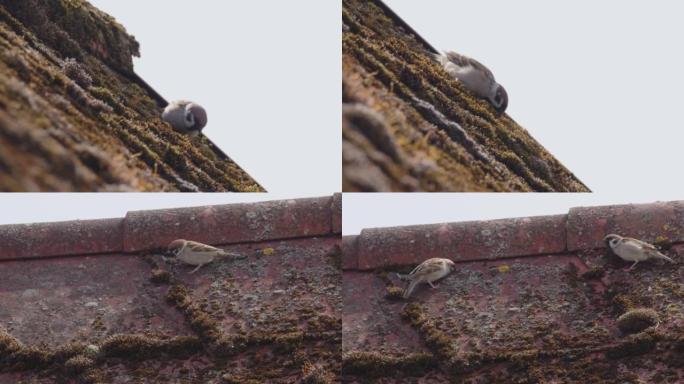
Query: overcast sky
{"x": 25, "y": 208}
{"x": 268, "y": 74}
{"x": 598, "y": 83}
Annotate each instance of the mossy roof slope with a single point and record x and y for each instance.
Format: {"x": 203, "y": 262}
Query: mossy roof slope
{"x": 408, "y": 126}
{"x": 110, "y": 309}
{"x": 75, "y": 117}
{"x": 531, "y": 300}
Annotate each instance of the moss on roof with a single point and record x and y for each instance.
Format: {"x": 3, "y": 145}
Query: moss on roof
{"x": 269, "y": 317}
{"x": 74, "y": 116}
{"x": 408, "y": 126}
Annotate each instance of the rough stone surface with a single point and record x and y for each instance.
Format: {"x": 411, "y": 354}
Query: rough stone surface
{"x": 350, "y": 258}
{"x": 461, "y": 241}
{"x": 663, "y": 221}
{"x": 519, "y": 307}
{"x": 74, "y": 116}
{"x": 230, "y": 223}
{"x": 56, "y": 239}
{"x": 336, "y": 209}
{"x": 154, "y": 229}
{"x": 260, "y": 318}
{"x": 408, "y": 126}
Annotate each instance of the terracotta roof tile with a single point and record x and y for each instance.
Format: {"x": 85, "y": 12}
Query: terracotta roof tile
{"x": 273, "y": 315}
{"x": 531, "y": 300}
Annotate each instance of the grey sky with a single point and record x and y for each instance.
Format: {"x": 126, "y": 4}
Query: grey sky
{"x": 268, "y": 74}
{"x": 23, "y": 208}
{"x": 598, "y": 83}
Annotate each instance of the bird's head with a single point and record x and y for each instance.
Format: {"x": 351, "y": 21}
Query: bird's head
{"x": 612, "y": 240}
{"x": 500, "y": 100}
{"x": 450, "y": 265}
{"x": 195, "y": 117}
{"x": 175, "y": 246}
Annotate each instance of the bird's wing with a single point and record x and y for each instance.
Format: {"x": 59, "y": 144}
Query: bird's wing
{"x": 199, "y": 247}
{"x": 641, "y": 244}
{"x": 416, "y": 269}
{"x": 427, "y": 268}
{"x": 465, "y": 61}
{"x": 650, "y": 249}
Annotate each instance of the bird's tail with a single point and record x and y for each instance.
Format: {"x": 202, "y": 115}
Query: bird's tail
{"x": 661, "y": 256}
{"x": 231, "y": 255}
{"x": 409, "y": 289}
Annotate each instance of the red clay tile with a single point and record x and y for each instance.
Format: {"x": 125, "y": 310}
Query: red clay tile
{"x": 373, "y": 323}
{"x": 349, "y": 252}
{"x": 518, "y": 307}
{"x": 280, "y": 303}
{"x": 588, "y": 225}
{"x": 461, "y": 241}
{"x": 146, "y": 230}
{"x": 337, "y": 213}
{"x": 57, "y": 239}
{"x": 226, "y": 224}
{"x": 53, "y": 301}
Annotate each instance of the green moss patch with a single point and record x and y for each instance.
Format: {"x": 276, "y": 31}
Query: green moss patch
{"x": 74, "y": 118}
{"x": 372, "y": 364}
{"x": 387, "y": 70}
{"x": 637, "y": 320}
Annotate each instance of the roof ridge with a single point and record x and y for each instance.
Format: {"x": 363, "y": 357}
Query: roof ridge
{"x": 581, "y": 229}
{"x": 152, "y": 229}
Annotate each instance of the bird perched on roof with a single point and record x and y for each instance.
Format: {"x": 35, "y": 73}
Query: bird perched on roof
{"x": 629, "y": 249}
{"x": 476, "y": 78}
{"x": 186, "y": 117}
{"x": 197, "y": 254}
{"x": 428, "y": 271}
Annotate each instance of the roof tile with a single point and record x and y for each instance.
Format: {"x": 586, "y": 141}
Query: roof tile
{"x": 519, "y": 307}
{"x": 478, "y": 240}
{"x": 58, "y": 239}
{"x": 274, "y": 311}
{"x": 663, "y": 221}
{"x": 152, "y": 229}
{"x": 225, "y": 224}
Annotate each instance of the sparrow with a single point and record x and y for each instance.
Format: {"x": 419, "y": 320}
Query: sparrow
{"x": 629, "y": 249}
{"x": 428, "y": 271}
{"x": 197, "y": 254}
{"x": 185, "y": 117}
{"x": 476, "y": 78}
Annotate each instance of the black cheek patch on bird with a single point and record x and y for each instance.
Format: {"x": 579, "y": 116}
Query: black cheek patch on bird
{"x": 195, "y": 123}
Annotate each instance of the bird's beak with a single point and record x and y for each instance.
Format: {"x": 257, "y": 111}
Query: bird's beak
{"x": 607, "y": 241}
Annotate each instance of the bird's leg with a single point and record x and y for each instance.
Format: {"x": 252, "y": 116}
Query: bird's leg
{"x": 431, "y": 285}
{"x": 196, "y": 268}
{"x": 633, "y": 265}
